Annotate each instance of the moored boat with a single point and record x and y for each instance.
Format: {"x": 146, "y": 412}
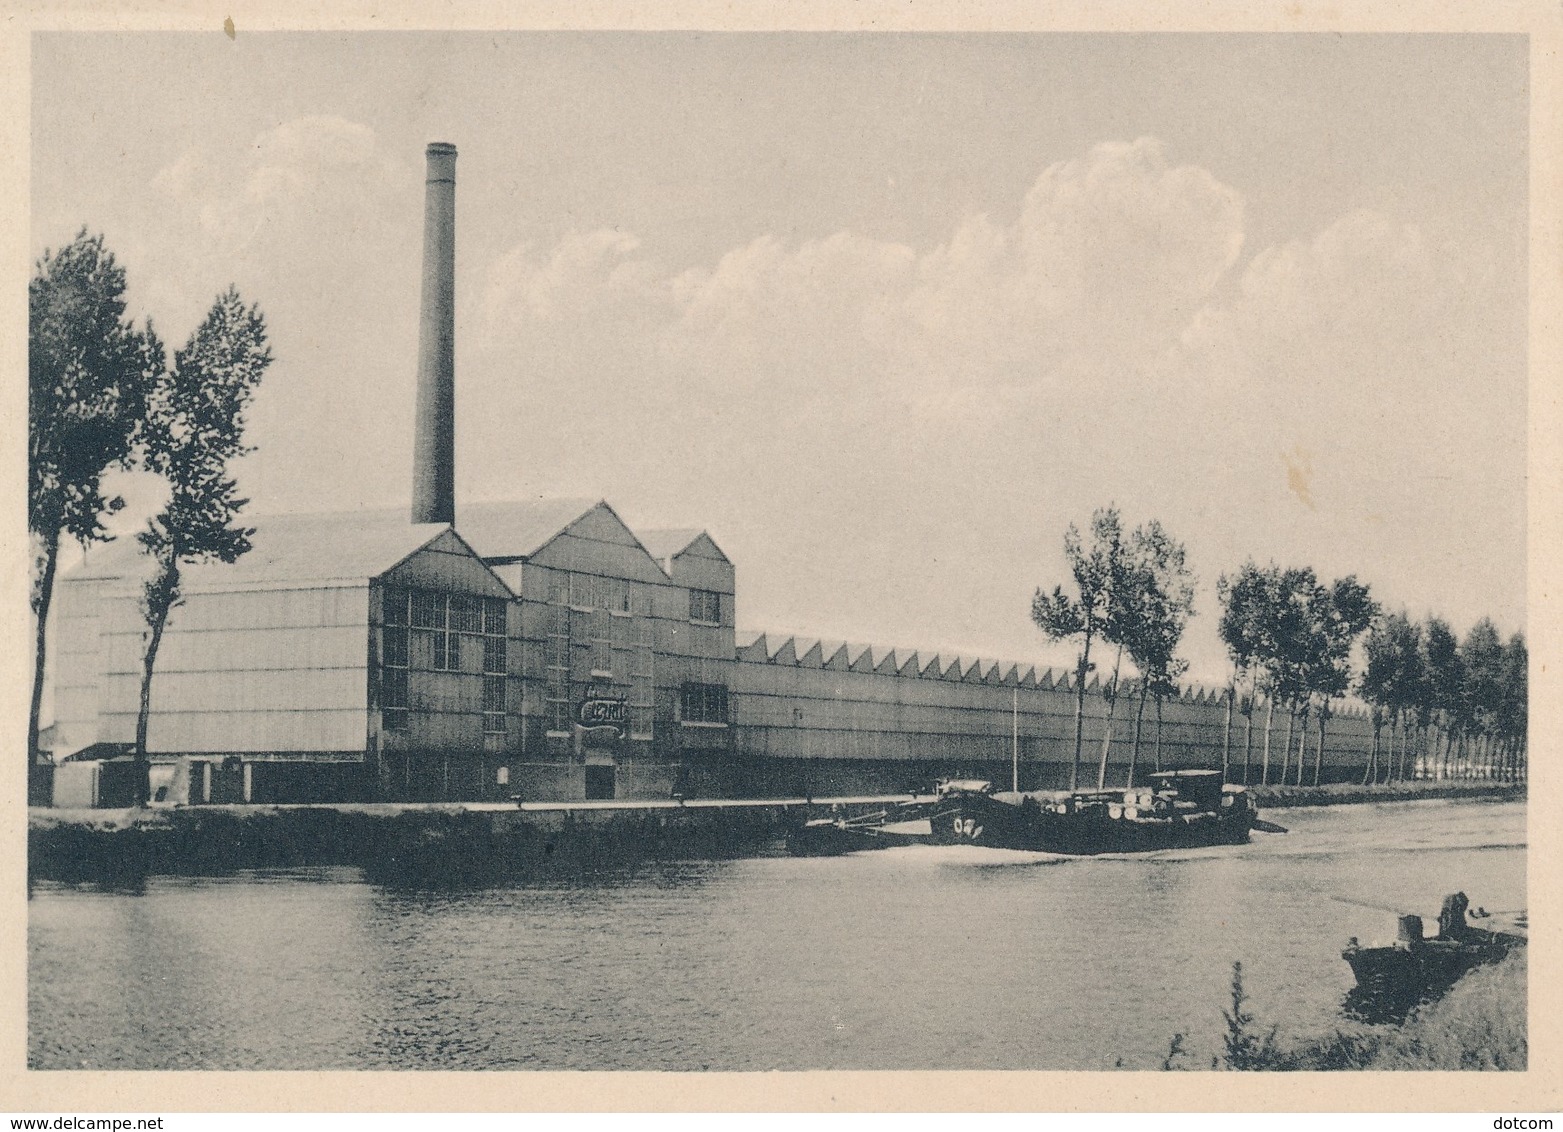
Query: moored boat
{"x": 1393, "y": 978}
{"x": 882, "y": 829}
{"x": 1179, "y": 809}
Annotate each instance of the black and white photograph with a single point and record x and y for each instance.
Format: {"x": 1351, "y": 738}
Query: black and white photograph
{"x": 725, "y": 551}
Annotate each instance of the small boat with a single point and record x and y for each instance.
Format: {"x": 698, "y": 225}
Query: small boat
{"x": 1179, "y": 809}
{"x": 1393, "y": 979}
{"x": 882, "y": 829}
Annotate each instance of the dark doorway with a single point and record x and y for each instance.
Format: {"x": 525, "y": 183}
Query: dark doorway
{"x": 599, "y": 783}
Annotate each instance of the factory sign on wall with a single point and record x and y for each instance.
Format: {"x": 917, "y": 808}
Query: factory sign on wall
{"x": 603, "y": 709}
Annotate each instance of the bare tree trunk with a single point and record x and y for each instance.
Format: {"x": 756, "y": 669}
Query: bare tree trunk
{"x": 1302, "y": 744}
{"x": 1080, "y": 673}
{"x": 1107, "y": 731}
{"x": 149, "y": 663}
{"x": 1370, "y": 772}
{"x": 1158, "y": 732}
{"x": 1248, "y": 731}
{"x": 1139, "y": 720}
{"x": 1264, "y": 766}
{"x": 1291, "y": 733}
{"x": 1318, "y": 756}
{"x": 1226, "y": 736}
{"x": 51, "y": 561}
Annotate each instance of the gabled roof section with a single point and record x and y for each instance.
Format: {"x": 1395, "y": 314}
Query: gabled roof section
{"x": 341, "y": 546}
{"x": 519, "y": 528}
{"x": 666, "y": 544}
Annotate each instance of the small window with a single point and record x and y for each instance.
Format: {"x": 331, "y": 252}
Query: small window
{"x": 494, "y": 705}
{"x": 704, "y": 703}
{"x": 428, "y": 610}
{"x": 396, "y": 719}
{"x": 465, "y": 614}
{"x": 559, "y": 715}
{"x": 613, "y": 594}
{"x": 395, "y": 647}
{"x": 705, "y": 605}
{"x": 558, "y": 652}
{"x": 602, "y": 656}
{"x": 393, "y": 688}
{"x": 494, "y": 655}
{"x": 395, "y": 606}
{"x": 447, "y": 652}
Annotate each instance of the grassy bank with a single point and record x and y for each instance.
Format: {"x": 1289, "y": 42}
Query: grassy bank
{"x": 1343, "y": 793}
{"x": 1479, "y": 1024}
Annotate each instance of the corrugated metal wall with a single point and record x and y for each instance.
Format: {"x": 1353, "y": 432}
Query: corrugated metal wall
{"x": 785, "y": 711}
{"x": 256, "y": 671}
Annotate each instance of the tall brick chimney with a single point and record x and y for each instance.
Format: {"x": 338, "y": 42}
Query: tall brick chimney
{"x": 434, "y": 440}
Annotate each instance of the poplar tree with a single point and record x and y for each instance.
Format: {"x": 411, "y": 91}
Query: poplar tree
{"x": 88, "y": 370}
{"x": 194, "y": 428}
{"x": 1242, "y": 598}
{"x": 1338, "y": 614}
{"x": 1163, "y": 602}
{"x": 1085, "y": 615}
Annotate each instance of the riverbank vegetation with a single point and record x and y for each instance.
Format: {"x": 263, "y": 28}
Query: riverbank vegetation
{"x": 1441, "y": 708}
{"x": 1479, "y": 1024}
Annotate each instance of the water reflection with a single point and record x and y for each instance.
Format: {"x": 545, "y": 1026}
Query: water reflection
{"x": 923, "y": 957}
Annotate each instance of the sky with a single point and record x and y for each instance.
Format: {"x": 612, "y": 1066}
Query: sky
{"x": 883, "y": 313}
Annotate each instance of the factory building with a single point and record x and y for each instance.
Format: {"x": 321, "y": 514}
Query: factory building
{"x": 538, "y": 649}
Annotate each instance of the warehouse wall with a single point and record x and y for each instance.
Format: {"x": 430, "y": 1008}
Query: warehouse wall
{"x": 953, "y": 716}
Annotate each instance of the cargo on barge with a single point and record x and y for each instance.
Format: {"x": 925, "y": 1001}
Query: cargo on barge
{"x": 1179, "y": 809}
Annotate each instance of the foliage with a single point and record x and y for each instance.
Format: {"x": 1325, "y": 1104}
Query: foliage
{"x": 1134, "y": 592}
{"x": 88, "y": 371}
{"x": 1086, "y": 615}
{"x": 1479, "y": 1024}
{"x": 1243, "y": 1047}
{"x": 194, "y": 428}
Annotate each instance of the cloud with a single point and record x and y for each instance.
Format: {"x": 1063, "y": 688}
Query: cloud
{"x": 289, "y": 173}
{"x": 845, "y": 397}
{"x": 1105, "y": 263}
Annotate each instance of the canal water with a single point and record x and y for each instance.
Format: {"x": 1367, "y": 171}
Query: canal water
{"x": 920, "y": 957}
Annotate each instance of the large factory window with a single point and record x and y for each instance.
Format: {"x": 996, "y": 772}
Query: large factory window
{"x": 705, "y": 605}
{"x": 445, "y": 617}
{"x": 704, "y": 703}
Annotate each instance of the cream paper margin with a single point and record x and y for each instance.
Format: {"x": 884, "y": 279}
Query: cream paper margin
{"x": 1539, "y": 1089}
